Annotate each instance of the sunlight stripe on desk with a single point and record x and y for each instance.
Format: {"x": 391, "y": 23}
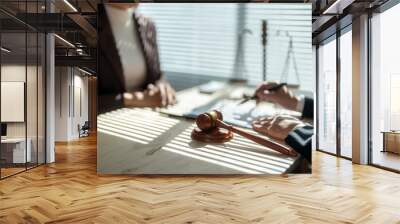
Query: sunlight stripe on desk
{"x": 131, "y": 130}
{"x": 223, "y": 159}
{"x": 155, "y": 122}
{"x": 100, "y": 130}
{"x": 232, "y": 152}
{"x": 237, "y": 142}
{"x": 232, "y": 158}
{"x": 202, "y": 158}
{"x": 138, "y": 125}
{"x": 244, "y": 153}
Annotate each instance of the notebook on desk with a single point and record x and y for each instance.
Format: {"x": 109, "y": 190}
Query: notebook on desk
{"x": 241, "y": 115}
{"x": 190, "y": 99}
{"x": 192, "y": 102}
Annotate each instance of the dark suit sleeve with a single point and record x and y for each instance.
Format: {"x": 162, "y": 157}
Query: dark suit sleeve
{"x": 300, "y": 140}
{"x": 148, "y": 37}
{"x": 308, "y": 110}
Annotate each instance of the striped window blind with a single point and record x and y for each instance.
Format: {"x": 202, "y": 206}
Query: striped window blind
{"x": 223, "y": 40}
{"x": 284, "y": 22}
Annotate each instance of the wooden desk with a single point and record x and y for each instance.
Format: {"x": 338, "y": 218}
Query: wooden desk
{"x": 13, "y": 150}
{"x": 391, "y": 141}
{"x": 140, "y": 141}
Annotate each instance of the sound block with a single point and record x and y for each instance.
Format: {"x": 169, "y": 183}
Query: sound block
{"x": 215, "y": 135}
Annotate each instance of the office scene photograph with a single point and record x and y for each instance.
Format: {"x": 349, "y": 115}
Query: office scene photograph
{"x": 205, "y": 88}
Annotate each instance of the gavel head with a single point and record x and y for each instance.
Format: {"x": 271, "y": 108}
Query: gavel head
{"x": 207, "y": 121}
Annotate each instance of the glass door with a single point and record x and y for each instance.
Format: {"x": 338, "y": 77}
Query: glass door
{"x": 346, "y": 93}
{"x": 334, "y": 109}
{"x": 14, "y": 153}
{"x": 327, "y": 96}
{"x": 385, "y": 90}
{"x": 22, "y": 101}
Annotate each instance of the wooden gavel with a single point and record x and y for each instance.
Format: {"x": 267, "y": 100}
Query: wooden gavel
{"x": 213, "y": 119}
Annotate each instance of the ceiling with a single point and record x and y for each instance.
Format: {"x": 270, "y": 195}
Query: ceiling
{"x": 72, "y": 20}
{"x": 330, "y": 15}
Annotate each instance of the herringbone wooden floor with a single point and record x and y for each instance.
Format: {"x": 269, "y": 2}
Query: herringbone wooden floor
{"x": 70, "y": 191}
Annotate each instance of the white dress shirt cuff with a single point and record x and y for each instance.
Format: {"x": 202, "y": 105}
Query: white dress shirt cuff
{"x": 300, "y": 104}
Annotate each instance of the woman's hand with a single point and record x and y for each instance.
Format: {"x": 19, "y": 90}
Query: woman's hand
{"x": 160, "y": 94}
{"x": 278, "y": 126}
{"x": 283, "y": 96}
{"x": 164, "y": 91}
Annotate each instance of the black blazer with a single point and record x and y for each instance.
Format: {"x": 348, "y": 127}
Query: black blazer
{"x": 300, "y": 138}
{"x": 111, "y": 81}
{"x": 308, "y": 110}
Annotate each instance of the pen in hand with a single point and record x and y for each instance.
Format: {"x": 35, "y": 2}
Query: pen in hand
{"x": 254, "y": 97}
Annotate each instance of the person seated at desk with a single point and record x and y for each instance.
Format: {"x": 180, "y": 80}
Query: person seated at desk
{"x": 296, "y": 133}
{"x": 128, "y": 60}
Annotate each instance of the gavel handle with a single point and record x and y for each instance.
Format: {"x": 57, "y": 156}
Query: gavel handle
{"x": 262, "y": 141}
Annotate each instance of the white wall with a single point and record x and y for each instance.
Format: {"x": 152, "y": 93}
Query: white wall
{"x": 79, "y": 117}
{"x": 33, "y": 126}
{"x": 61, "y": 114}
{"x": 12, "y": 73}
{"x": 12, "y": 100}
{"x": 70, "y": 84}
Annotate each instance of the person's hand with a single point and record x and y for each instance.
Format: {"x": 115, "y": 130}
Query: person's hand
{"x": 160, "y": 94}
{"x": 278, "y": 126}
{"x": 164, "y": 91}
{"x": 283, "y": 96}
